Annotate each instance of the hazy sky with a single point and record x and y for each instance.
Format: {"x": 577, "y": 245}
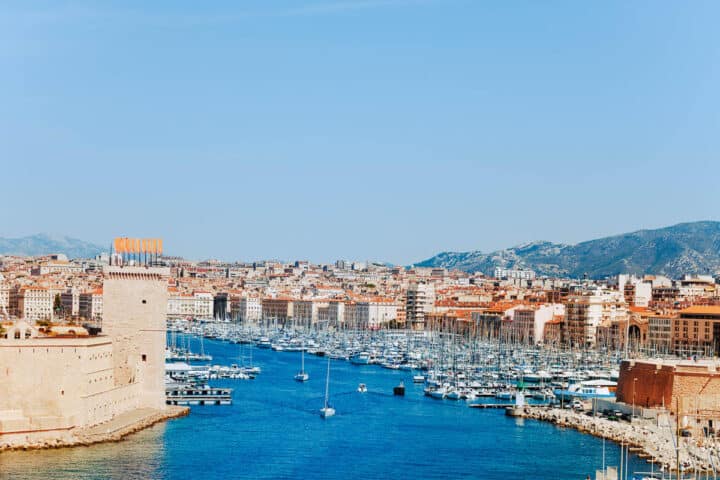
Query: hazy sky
{"x": 363, "y": 129}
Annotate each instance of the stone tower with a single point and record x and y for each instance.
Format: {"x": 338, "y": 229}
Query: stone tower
{"x": 134, "y": 317}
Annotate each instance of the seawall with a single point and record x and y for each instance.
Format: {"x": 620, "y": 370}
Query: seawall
{"x": 649, "y": 439}
{"x": 112, "y": 431}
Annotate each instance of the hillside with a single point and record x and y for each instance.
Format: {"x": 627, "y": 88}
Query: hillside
{"x": 43, "y": 244}
{"x": 680, "y": 249}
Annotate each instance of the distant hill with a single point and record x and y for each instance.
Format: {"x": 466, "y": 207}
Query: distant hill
{"x": 686, "y": 248}
{"x": 43, "y": 244}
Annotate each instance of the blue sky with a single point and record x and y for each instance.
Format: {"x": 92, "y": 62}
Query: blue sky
{"x": 379, "y": 129}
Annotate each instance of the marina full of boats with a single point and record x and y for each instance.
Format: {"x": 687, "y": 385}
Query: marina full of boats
{"x": 449, "y": 366}
{"x": 186, "y": 383}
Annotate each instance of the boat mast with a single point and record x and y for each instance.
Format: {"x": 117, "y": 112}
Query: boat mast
{"x": 302, "y": 357}
{"x": 327, "y": 383}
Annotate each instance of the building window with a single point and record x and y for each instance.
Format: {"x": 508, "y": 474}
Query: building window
{"x": 144, "y": 357}
{"x": 144, "y": 302}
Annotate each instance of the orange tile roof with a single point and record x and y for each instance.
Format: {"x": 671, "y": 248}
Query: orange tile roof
{"x": 702, "y": 310}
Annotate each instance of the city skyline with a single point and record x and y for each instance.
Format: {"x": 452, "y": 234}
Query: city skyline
{"x": 380, "y": 130}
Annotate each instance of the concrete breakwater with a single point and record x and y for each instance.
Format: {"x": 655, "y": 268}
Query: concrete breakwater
{"x": 653, "y": 440}
{"x": 110, "y": 431}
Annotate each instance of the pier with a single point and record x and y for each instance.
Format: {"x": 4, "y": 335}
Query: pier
{"x": 187, "y": 394}
{"x": 491, "y": 405}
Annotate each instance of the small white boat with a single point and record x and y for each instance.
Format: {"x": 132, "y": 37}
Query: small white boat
{"x": 302, "y": 375}
{"x": 453, "y": 394}
{"x": 504, "y": 395}
{"x": 438, "y": 393}
{"x": 362, "y": 358}
{"x": 362, "y": 388}
{"x": 327, "y": 410}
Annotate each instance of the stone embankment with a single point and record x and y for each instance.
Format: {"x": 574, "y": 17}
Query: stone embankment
{"x": 112, "y": 431}
{"x": 649, "y": 439}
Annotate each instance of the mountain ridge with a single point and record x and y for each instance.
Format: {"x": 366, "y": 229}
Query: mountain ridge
{"x": 46, "y": 244}
{"x": 684, "y": 248}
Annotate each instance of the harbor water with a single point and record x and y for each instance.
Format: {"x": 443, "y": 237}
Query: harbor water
{"x": 273, "y": 430}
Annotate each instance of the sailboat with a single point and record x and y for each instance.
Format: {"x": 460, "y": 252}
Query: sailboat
{"x": 302, "y": 375}
{"x": 327, "y": 410}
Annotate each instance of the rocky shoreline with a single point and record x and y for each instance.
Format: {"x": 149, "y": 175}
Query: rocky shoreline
{"x": 646, "y": 438}
{"x": 113, "y": 431}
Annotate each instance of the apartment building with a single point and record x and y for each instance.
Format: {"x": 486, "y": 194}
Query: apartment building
{"x": 4, "y": 297}
{"x": 370, "y": 315}
{"x": 697, "y": 330}
{"x": 528, "y": 322}
{"x": 660, "y": 333}
{"x": 247, "y": 309}
{"x": 585, "y": 312}
{"x": 70, "y": 300}
{"x": 90, "y": 305}
{"x": 277, "y": 310}
{"x": 332, "y": 314}
{"x": 419, "y": 301}
{"x": 35, "y": 303}
{"x": 305, "y": 312}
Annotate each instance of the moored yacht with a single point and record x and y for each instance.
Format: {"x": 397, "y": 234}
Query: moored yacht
{"x": 327, "y": 410}
{"x": 588, "y": 389}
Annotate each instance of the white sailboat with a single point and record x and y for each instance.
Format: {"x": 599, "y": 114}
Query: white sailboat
{"x": 302, "y": 375}
{"x": 327, "y": 410}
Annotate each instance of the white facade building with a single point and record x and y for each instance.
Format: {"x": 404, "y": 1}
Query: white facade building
{"x": 420, "y": 299}
{"x": 248, "y": 309}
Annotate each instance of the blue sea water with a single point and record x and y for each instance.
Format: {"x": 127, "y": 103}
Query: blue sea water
{"x": 273, "y": 431}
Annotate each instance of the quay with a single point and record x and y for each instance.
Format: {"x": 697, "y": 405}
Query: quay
{"x": 651, "y": 440}
{"x": 492, "y": 405}
{"x": 113, "y": 430}
{"x": 186, "y": 394}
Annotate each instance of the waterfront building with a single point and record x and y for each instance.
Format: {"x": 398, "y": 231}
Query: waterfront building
{"x": 305, "y": 312}
{"x": 552, "y": 334}
{"x": 248, "y": 309}
{"x": 58, "y": 380}
{"x": 452, "y": 321}
{"x": 332, "y": 314}
{"x": 696, "y": 331}
{"x": 203, "y": 304}
{"x": 199, "y": 304}
{"x": 586, "y": 311}
{"x": 660, "y": 333}
{"x": 221, "y": 306}
{"x": 494, "y": 322}
{"x": 528, "y": 322}
{"x": 370, "y": 314}
{"x": 419, "y": 301}
{"x": 181, "y": 305}
{"x": 277, "y": 310}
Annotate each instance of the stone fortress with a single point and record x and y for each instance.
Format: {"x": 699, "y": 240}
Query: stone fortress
{"x": 63, "y": 385}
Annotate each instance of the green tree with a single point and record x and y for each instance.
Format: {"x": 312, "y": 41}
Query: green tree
{"x": 57, "y": 305}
